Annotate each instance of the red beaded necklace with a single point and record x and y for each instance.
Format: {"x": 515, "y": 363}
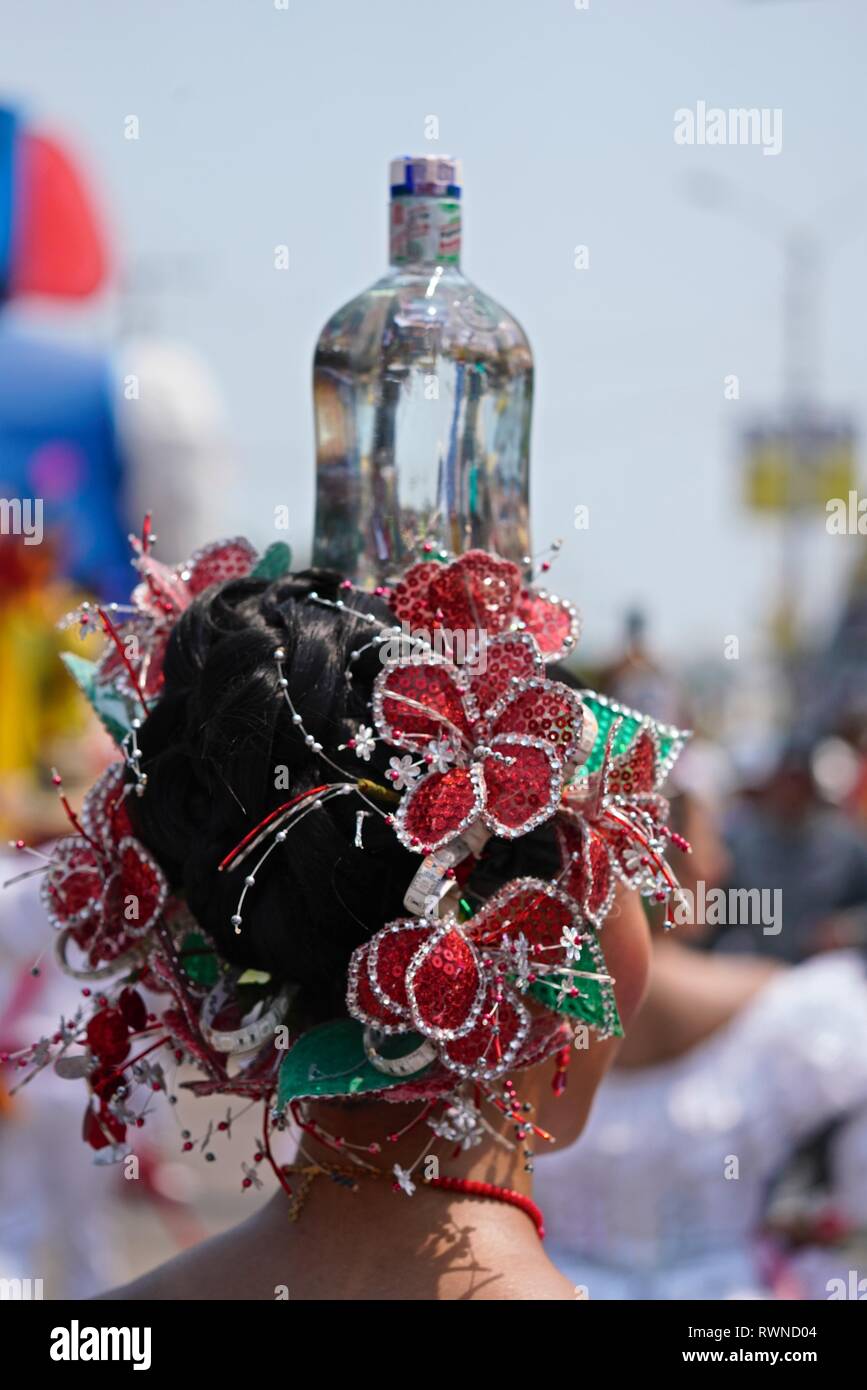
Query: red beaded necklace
{"x": 306, "y": 1172}
{"x": 495, "y": 1194}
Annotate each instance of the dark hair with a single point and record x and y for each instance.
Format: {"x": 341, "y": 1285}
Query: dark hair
{"x": 213, "y": 748}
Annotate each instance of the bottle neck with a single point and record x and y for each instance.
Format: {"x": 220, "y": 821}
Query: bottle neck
{"x": 424, "y": 231}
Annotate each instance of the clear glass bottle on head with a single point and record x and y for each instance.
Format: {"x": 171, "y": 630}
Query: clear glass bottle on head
{"x": 423, "y": 390}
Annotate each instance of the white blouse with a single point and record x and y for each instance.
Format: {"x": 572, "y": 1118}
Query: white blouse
{"x": 663, "y": 1195}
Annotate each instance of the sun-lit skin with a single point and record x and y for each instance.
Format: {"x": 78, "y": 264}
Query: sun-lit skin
{"x": 378, "y": 1244}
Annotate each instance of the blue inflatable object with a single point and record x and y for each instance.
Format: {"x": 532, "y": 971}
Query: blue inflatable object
{"x": 58, "y": 446}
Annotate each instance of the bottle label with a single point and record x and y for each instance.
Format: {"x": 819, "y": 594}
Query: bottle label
{"x": 425, "y": 231}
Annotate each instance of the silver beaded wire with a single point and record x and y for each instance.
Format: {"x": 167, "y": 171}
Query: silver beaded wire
{"x": 132, "y": 757}
{"x": 310, "y": 741}
{"x": 280, "y": 829}
{"x": 294, "y": 816}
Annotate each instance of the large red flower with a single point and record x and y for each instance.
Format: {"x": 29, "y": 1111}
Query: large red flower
{"x": 458, "y": 983}
{"x": 102, "y": 887}
{"x": 502, "y": 738}
{"x": 479, "y": 592}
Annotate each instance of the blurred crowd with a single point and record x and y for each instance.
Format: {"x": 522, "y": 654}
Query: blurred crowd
{"x": 726, "y": 1154}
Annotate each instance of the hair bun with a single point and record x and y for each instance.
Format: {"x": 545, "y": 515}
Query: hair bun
{"x": 221, "y": 751}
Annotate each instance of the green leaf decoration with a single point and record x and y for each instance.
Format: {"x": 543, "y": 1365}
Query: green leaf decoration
{"x": 330, "y": 1061}
{"x": 595, "y": 1005}
{"x": 670, "y": 740}
{"x": 112, "y": 707}
{"x": 199, "y": 960}
{"x": 276, "y": 562}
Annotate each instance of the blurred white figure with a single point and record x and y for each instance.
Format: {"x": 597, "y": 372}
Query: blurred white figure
{"x": 664, "y": 1195}
{"x": 175, "y": 439}
{"x": 54, "y": 1212}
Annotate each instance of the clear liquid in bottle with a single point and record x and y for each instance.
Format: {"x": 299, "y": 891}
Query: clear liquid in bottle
{"x": 423, "y": 391}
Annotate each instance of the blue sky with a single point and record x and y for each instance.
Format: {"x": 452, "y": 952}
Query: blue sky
{"x": 261, "y": 126}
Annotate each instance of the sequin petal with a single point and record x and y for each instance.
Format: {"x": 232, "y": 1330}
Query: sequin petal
{"x": 410, "y": 599}
{"x": 414, "y": 702}
{"x": 541, "y": 709}
{"x": 634, "y": 771}
{"x": 444, "y": 984}
{"x": 495, "y": 1040}
{"x": 532, "y": 907}
{"x": 391, "y": 952}
{"x": 363, "y": 1001}
{"x": 438, "y": 807}
{"x": 509, "y": 657}
{"x": 553, "y": 622}
{"x": 72, "y": 887}
{"x": 476, "y": 592}
{"x": 213, "y": 564}
{"x": 587, "y": 875}
{"x": 522, "y": 782}
{"x": 104, "y": 813}
{"x": 135, "y": 893}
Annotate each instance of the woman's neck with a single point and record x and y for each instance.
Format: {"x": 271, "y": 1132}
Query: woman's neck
{"x": 368, "y": 1242}
{"x": 374, "y": 1240}
{"x": 382, "y": 1137}
{"x": 329, "y": 1240}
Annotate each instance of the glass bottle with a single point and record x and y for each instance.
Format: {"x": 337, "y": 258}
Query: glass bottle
{"x": 423, "y": 391}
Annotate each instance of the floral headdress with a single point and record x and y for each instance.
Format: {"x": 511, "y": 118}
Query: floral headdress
{"x": 439, "y": 1002}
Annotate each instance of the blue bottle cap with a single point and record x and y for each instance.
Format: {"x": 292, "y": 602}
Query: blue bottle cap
{"x": 427, "y": 175}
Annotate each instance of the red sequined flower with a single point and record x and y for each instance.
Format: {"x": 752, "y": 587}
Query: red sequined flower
{"x": 481, "y": 593}
{"x": 497, "y": 741}
{"x": 102, "y": 887}
{"x": 457, "y": 983}
{"x": 612, "y": 825}
{"x": 158, "y": 601}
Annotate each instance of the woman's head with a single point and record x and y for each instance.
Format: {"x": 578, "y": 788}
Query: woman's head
{"x": 263, "y": 685}
{"x": 221, "y": 751}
